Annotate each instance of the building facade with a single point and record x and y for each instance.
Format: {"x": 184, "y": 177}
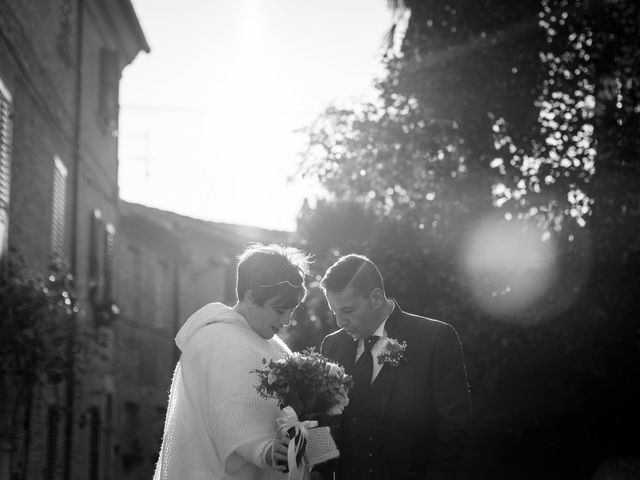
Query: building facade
{"x": 167, "y": 267}
{"x": 60, "y": 68}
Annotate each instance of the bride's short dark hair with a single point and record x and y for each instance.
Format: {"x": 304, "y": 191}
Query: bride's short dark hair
{"x": 272, "y": 271}
{"x": 355, "y": 271}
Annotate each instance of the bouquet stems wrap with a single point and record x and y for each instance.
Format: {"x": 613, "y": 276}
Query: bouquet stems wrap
{"x": 295, "y": 455}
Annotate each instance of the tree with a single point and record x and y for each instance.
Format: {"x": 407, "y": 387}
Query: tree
{"x": 526, "y": 113}
{"x": 37, "y": 315}
{"x": 421, "y": 151}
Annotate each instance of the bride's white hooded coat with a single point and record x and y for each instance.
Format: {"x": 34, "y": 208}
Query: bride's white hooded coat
{"x": 214, "y": 411}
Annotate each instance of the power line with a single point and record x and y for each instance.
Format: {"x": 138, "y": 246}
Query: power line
{"x": 207, "y": 110}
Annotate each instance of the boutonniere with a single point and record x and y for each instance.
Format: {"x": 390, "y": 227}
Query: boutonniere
{"x": 392, "y": 352}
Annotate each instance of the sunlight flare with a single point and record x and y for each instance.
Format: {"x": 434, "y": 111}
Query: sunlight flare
{"x": 508, "y": 264}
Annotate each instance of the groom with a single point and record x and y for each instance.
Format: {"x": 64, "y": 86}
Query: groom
{"x": 409, "y": 411}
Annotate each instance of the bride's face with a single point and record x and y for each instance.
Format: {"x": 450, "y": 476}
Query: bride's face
{"x": 267, "y": 320}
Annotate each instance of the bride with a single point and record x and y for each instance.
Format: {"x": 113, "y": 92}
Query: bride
{"x": 217, "y": 426}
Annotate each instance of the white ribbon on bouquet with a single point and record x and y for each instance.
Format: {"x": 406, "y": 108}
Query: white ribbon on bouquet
{"x": 289, "y": 419}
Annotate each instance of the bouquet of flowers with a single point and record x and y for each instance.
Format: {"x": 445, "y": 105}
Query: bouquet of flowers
{"x": 310, "y": 389}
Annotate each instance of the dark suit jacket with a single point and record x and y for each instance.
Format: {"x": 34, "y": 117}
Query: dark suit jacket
{"x": 425, "y": 405}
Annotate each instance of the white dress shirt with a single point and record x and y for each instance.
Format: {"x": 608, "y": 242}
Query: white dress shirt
{"x": 376, "y": 349}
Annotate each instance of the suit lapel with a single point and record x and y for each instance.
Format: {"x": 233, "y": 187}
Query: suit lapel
{"x": 346, "y": 352}
{"x": 386, "y": 378}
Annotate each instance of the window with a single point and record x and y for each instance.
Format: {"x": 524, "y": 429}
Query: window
{"x": 96, "y": 257}
{"x": 132, "y": 451}
{"x": 136, "y": 290}
{"x": 101, "y": 268}
{"x": 147, "y": 366}
{"x": 163, "y": 315}
{"x": 126, "y": 287}
{"x": 65, "y": 29}
{"x": 58, "y": 207}
{"x": 101, "y": 259}
{"x": 5, "y": 165}
{"x": 109, "y": 85}
{"x": 109, "y": 254}
{"x": 53, "y": 431}
{"x": 94, "y": 443}
{"x": 229, "y": 274}
{"x": 131, "y": 420}
{"x": 108, "y": 435}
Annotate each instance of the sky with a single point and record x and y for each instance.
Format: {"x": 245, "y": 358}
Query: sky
{"x": 208, "y": 119}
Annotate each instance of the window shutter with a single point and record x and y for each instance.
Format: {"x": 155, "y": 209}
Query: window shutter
{"x": 58, "y": 207}
{"x": 109, "y": 86}
{"x": 65, "y": 30}
{"x": 53, "y": 432}
{"x": 5, "y": 165}
{"x": 147, "y": 368}
{"x": 163, "y": 297}
{"x": 95, "y": 257}
{"x": 95, "y": 425}
{"x": 109, "y": 254}
{"x": 137, "y": 293}
{"x": 131, "y": 428}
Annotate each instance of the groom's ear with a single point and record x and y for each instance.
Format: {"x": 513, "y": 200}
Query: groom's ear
{"x": 376, "y": 297}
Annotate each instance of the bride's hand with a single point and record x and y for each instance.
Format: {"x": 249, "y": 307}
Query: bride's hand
{"x": 277, "y": 453}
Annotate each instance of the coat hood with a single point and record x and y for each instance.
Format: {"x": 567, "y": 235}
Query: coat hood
{"x": 210, "y": 313}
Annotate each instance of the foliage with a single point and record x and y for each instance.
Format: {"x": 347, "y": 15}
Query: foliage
{"x": 421, "y": 151}
{"x": 587, "y": 104}
{"x": 36, "y": 317}
{"x": 40, "y": 343}
{"x": 391, "y": 157}
{"x": 489, "y": 97}
{"x": 35, "y": 314}
{"x": 521, "y": 111}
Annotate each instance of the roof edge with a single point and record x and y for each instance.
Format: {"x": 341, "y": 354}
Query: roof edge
{"x": 134, "y": 24}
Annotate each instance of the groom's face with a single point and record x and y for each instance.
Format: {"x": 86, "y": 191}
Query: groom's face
{"x": 354, "y": 313}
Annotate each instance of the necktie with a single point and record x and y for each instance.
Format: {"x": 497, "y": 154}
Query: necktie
{"x": 363, "y": 368}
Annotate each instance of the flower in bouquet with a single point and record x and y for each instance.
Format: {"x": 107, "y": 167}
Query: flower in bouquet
{"x": 393, "y": 352}
{"x": 306, "y": 381}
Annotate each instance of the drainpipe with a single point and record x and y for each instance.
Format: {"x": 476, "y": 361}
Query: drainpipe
{"x": 75, "y": 206}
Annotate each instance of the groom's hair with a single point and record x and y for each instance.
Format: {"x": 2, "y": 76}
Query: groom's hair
{"x": 272, "y": 271}
{"x": 356, "y": 271}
